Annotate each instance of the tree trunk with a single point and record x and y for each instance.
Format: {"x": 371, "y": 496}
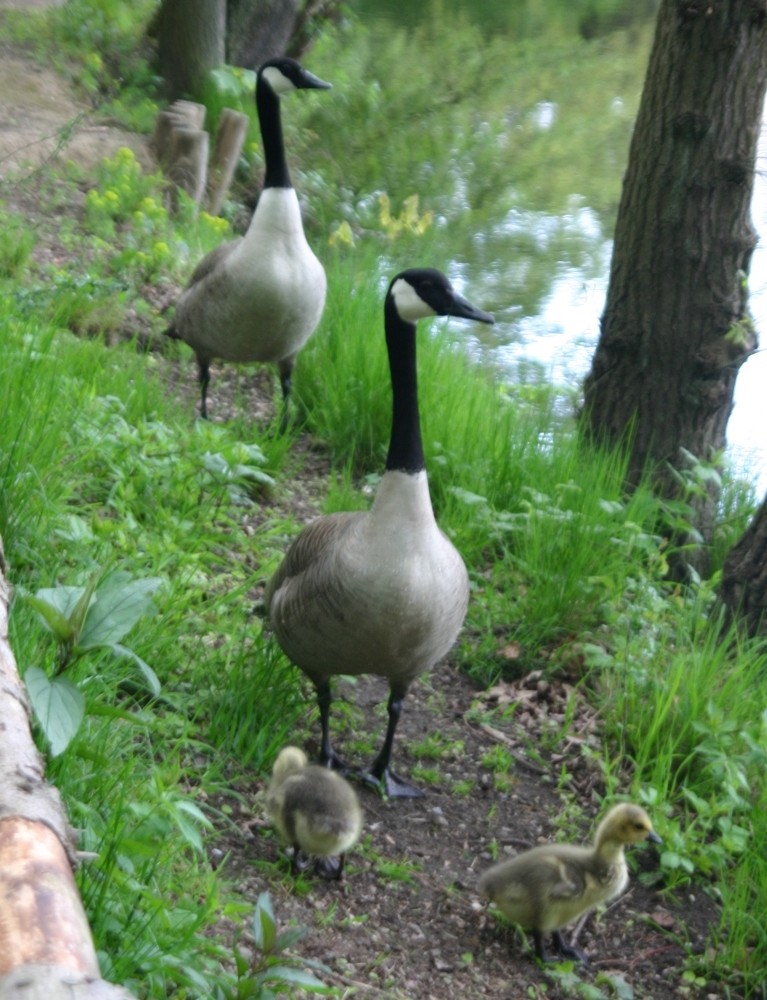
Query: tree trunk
{"x": 744, "y": 581}
{"x": 190, "y": 43}
{"x": 258, "y": 30}
{"x": 46, "y": 949}
{"x": 675, "y": 328}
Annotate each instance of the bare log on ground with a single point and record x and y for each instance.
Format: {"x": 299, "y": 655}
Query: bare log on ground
{"x": 46, "y": 948}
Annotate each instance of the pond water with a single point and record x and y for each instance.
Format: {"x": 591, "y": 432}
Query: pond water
{"x": 553, "y": 337}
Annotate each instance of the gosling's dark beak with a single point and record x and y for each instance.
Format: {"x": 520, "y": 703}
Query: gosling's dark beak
{"x": 463, "y": 308}
{"x": 653, "y": 837}
{"x": 311, "y": 82}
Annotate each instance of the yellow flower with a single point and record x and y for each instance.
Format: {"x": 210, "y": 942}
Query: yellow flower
{"x": 342, "y": 234}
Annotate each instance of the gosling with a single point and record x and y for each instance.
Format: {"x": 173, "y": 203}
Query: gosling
{"x": 547, "y": 887}
{"x": 315, "y": 810}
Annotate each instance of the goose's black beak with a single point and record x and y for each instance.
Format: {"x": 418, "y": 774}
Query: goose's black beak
{"x": 653, "y": 837}
{"x": 311, "y": 82}
{"x": 463, "y": 308}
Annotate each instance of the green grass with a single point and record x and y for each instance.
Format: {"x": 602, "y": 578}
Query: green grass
{"x": 102, "y": 469}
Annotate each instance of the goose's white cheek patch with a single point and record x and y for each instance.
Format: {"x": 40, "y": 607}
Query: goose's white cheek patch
{"x": 408, "y": 302}
{"x": 279, "y": 83}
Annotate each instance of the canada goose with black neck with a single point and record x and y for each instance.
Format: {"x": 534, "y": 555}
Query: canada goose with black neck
{"x": 383, "y": 591}
{"x": 261, "y": 296}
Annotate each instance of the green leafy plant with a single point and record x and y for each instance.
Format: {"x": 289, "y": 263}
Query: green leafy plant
{"x": 83, "y": 620}
{"x": 274, "y": 970}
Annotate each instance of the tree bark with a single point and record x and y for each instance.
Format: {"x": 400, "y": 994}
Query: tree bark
{"x": 46, "y": 949}
{"x": 258, "y": 30}
{"x": 744, "y": 580}
{"x": 190, "y": 43}
{"x": 676, "y": 328}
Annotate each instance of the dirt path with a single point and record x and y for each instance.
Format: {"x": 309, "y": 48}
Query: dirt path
{"x": 407, "y": 922}
{"x": 41, "y": 119}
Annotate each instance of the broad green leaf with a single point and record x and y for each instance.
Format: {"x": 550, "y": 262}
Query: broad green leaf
{"x": 670, "y": 859}
{"x": 52, "y": 617}
{"x": 216, "y": 464}
{"x": 618, "y": 985}
{"x": 118, "y": 604}
{"x": 58, "y": 705}
{"x": 253, "y": 474}
{"x": 63, "y": 599}
{"x": 296, "y": 977}
{"x": 151, "y": 678}
{"x": 189, "y": 818}
{"x": 80, "y": 610}
{"x": 187, "y": 806}
{"x": 264, "y": 924}
{"x": 241, "y": 963}
{"x": 290, "y": 937}
{"x": 467, "y": 497}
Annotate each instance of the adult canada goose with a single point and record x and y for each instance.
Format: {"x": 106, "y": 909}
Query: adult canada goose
{"x": 547, "y": 887}
{"x": 383, "y": 591}
{"x": 315, "y": 810}
{"x": 259, "y": 297}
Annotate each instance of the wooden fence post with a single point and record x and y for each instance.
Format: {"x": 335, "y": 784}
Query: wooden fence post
{"x": 230, "y": 138}
{"x": 181, "y": 147}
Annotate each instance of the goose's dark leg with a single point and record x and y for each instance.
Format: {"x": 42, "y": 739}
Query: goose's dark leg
{"x": 285, "y": 367}
{"x": 380, "y": 774}
{"x": 328, "y": 756}
{"x": 299, "y": 863}
{"x": 204, "y": 380}
{"x": 540, "y": 950}
{"x": 568, "y": 950}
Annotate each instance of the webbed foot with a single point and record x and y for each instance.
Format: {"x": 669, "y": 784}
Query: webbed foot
{"x": 390, "y": 784}
{"x": 569, "y": 950}
{"x": 299, "y": 862}
{"x": 334, "y": 762}
{"x": 330, "y": 868}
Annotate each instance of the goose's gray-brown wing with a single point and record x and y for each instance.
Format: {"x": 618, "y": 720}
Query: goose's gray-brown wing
{"x": 212, "y": 260}
{"x": 310, "y": 550}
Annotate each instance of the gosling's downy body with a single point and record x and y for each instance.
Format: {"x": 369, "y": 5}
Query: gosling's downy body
{"x": 384, "y": 591}
{"x": 259, "y": 297}
{"x": 315, "y": 810}
{"x": 547, "y": 887}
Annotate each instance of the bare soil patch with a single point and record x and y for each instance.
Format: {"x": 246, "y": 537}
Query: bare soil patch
{"x": 407, "y": 921}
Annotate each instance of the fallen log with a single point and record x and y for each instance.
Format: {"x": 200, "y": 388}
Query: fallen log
{"x": 46, "y": 947}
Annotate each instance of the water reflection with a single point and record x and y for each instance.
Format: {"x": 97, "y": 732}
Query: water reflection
{"x": 547, "y": 328}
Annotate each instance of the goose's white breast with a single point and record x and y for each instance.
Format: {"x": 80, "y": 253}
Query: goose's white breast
{"x": 267, "y": 297}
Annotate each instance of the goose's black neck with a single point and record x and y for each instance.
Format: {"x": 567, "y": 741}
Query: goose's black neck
{"x": 268, "y": 107}
{"x": 405, "y": 445}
